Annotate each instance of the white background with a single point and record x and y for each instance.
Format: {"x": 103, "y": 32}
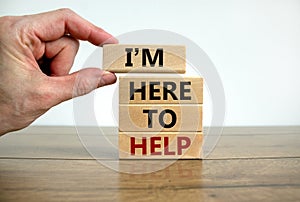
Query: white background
{"x": 255, "y": 46}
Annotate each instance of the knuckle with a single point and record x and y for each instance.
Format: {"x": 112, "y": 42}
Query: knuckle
{"x": 74, "y": 42}
{"x": 83, "y": 86}
{"x": 66, "y": 11}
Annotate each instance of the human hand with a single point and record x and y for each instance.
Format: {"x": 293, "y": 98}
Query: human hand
{"x": 36, "y": 55}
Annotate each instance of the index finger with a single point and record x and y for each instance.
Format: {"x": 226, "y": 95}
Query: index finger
{"x": 53, "y": 25}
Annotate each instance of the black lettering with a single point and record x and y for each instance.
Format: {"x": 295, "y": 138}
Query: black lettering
{"x": 150, "y": 112}
{"x": 161, "y": 118}
{"x": 184, "y": 90}
{"x": 153, "y": 90}
{"x": 141, "y": 90}
{"x": 158, "y": 54}
{"x": 169, "y": 91}
{"x": 128, "y": 62}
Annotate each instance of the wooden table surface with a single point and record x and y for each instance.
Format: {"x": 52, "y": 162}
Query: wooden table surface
{"x": 248, "y": 164}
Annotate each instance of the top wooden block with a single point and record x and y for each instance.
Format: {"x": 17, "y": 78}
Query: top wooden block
{"x": 122, "y": 58}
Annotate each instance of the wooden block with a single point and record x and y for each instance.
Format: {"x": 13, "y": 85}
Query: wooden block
{"x": 157, "y": 145}
{"x": 160, "y": 117}
{"x": 162, "y": 90}
{"x": 121, "y": 58}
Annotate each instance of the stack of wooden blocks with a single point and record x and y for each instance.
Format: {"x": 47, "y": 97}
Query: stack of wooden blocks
{"x": 160, "y": 117}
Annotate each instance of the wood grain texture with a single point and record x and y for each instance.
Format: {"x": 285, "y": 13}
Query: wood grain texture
{"x": 248, "y": 164}
{"x": 185, "y": 180}
{"x": 183, "y": 93}
{"x": 161, "y": 145}
{"x": 115, "y": 57}
{"x": 64, "y": 143}
{"x": 134, "y": 118}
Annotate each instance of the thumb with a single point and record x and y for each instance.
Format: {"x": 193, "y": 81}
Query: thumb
{"x": 80, "y": 83}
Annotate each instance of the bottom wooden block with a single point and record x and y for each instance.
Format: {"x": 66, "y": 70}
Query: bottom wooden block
{"x": 160, "y": 145}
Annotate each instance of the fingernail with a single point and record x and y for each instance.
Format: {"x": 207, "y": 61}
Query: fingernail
{"x": 111, "y": 40}
{"x": 106, "y": 72}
